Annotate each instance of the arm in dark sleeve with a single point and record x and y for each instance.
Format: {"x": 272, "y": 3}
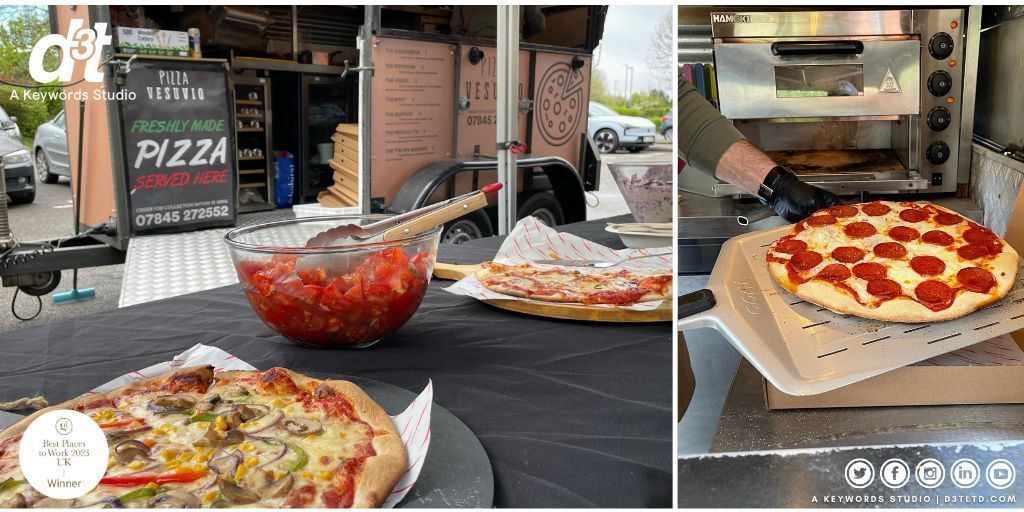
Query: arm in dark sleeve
{"x": 704, "y": 134}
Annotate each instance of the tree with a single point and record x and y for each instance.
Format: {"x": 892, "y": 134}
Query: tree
{"x": 21, "y": 26}
{"x": 661, "y": 51}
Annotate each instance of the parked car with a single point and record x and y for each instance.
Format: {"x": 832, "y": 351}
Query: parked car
{"x": 50, "y": 148}
{"x": 9, "y": 125}
{"x": 665, "y": 128}
{"x": 610, "y": 130}
{"x": 21, "y": 187}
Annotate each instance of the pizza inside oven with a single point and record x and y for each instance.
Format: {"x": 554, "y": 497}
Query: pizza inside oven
{"x": 894, "y": 261}
{"x": 188, "y": 439}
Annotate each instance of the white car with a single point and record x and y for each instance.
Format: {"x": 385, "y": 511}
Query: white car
{"x": 611, "y": 131}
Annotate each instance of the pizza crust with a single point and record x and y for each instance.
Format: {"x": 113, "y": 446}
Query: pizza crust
{"x": 485, "y": 273}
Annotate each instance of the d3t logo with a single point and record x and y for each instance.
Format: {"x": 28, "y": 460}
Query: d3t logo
{"x": 81, "y": 44}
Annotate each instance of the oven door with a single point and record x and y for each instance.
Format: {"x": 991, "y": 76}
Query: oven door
{"x": 801, "y": 77}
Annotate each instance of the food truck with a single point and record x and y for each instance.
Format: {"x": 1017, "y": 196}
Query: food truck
{"x": 383, "y": 109}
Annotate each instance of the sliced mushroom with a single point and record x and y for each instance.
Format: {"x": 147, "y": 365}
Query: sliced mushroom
{"x": 233, "y": 419}
{"x": 175, "y": 498}
{"x": 16, "y": 501}
{"x": 279, "y": 487}
{"x": 226, "y": 464}
{"x": 55, "y": 503}
{"x": 251, "y": 412}
{"x": 127, "y": 451}
{"x": 165, "y": 404}
{"x": 107, "y": 502}
{"x": 234, "y": 391}
{"x": 118, "y": 433}
{"x": 235, "y": 494}
{"x": 220, "y": 504}
{"x": 302, "y": 426}
{"x": 216, "y": 438}
{"x": 207, "y": 403}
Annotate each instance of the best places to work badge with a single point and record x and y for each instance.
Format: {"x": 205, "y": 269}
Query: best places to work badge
{"x": 63, "y": 454}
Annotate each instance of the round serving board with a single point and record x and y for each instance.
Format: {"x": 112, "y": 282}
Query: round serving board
{"x": 662, "y": 313}
{"x": 456, "y": 472}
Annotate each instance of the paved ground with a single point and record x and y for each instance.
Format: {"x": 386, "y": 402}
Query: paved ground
{"x": 51, "y": 216}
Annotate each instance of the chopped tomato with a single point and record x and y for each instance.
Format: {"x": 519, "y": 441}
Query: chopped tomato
{"x": 166, "y": 478}
{"x": 311, "y": 306}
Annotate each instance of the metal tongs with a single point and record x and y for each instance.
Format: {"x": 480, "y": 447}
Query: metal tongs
{"x": 407, "y": 224}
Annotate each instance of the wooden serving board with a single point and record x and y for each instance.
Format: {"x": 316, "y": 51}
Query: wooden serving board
{"x": 662, "y": 313}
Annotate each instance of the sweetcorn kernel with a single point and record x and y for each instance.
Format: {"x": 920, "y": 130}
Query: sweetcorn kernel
{"x": 152, "y": 485}
{"x": 324, "y": 475}
{"x": 246, "y": 447}
{"x": 186, "y": 456}
{"x": 169, "y": 454}
{"x": 240, "y": 472}
{"x": 311, "y": 436}
{"x": 159, "y": 432}
{"x": 136, "y": 464}
{"x": 251, "y": 461}
{"x": 202, "y": 457}
{"x": 306, "y": 474}
{"x": 173, "y": 464}
{"x": 110, "y": 463}
{"x": 277, "y": 402}
{"x": 210, "y": 496}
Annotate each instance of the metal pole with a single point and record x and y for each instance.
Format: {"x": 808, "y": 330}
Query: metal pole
{"x": 508, "y": 113}
{"x": 6, "y": 240}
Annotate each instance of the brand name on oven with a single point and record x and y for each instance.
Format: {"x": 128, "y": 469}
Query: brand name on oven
{"x": 749, "y": 296}
{"x": 730, "y": 18}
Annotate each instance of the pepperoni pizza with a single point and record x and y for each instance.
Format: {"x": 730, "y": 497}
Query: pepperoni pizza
{"x": 894, "y": 261}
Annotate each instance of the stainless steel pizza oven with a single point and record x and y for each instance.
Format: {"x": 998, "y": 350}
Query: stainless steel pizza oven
{"x": 851, "y": 100}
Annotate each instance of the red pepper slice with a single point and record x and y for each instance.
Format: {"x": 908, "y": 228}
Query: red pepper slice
{"x": 121, "y": 423}
{"x": 168, "y": 478}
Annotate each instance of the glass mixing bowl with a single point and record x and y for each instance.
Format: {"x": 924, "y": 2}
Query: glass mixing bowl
{"x": 345, "y": 294}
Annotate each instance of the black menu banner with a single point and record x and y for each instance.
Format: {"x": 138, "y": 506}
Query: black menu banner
{"x": 178, "y": 146}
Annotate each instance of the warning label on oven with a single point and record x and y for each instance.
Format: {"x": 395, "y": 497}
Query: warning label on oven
{"x": 889, "y": 83}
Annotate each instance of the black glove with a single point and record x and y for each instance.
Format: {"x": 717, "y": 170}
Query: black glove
{"x": 791, "y": 198}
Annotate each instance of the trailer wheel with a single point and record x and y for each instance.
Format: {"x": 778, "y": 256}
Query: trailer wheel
{"x": 469, "y": 227}
{"x": 42, "y": 283}
{"x": 545, "y": 207}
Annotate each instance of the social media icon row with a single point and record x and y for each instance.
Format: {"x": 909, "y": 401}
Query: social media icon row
{"x": 930, "y": 473}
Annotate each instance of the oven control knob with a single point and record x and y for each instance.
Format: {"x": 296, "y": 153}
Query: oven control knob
{"x": 937, "y": 152}
{"x": 941, "y": 45}
{"x": 938, "y": 119}
{"x": 939, "y": 83}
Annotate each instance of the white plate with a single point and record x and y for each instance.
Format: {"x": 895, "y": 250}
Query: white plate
{"x": 642, "y": 240}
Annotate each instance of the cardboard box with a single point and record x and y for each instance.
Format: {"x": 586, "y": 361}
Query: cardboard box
{"x": 146, "y": 41}
{"x": 931, "y": 382}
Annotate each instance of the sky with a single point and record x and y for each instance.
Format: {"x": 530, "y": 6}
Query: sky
{"x": 627, "y": 34}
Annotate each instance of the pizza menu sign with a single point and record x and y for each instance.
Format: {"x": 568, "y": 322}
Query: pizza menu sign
{"x": 178, "y": 146}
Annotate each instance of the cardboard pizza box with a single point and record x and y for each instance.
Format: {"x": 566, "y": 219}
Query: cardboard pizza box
{"x": 991, "y": 372}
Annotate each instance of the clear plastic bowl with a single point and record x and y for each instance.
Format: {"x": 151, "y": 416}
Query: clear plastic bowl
{"x": 647, "y": 189}
{"x": 346, "y": 295}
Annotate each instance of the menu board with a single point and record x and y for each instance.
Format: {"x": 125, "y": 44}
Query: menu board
{"x": 412, "y": 110}
{"x": 178, "y": 146}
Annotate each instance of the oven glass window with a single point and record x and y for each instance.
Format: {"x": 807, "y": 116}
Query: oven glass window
{"x": 819, "y": 80}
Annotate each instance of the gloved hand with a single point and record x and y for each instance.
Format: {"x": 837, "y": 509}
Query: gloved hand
{"x": 791, "y": 198}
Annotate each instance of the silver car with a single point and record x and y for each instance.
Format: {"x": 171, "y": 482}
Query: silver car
{"x": 50, "y": 148}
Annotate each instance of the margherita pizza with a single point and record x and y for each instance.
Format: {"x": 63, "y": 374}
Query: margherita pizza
{"x": 559, "y": 284}
{"x": 898, "y": 262}
{"x": 189, "y": 439}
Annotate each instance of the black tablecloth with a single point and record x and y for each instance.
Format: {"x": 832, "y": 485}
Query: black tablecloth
{"x": 571, "y": 414}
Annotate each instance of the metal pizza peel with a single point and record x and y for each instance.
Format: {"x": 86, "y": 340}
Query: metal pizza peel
{"x": 804, "y": 349}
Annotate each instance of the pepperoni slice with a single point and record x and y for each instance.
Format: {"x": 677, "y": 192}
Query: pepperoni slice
{"x": 791, "y": 246}
{"x": 875, "y": 209}
{"x": 859, "y": 230}
{"x": 927, "y": 265}
{"x": 805, "y": 260}
{"x": 948, "y": 219}
{"x": 935, "y": 295}
{"x": 937, "y": 237}
{"x": 903, "y": 234}
{"x": 847, "y": 254}
{"x": 885, "y": 288}
{"x": 843, "y": 211}
{"x": 973, "y": 252}
{"x": 976, "y": 279}
{"x": 891, "y": 250}
{"x": 913, "y": 215}
{"x": 835, "y": 272}
{"x": 821, "y": 220}
{"x": 870, "y": 271}
{"x": 979, "y": 235}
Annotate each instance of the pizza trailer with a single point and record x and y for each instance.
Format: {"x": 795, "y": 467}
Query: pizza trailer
{"x": 374, "y": 109}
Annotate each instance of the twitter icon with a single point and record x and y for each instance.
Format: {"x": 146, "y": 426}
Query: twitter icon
{"x": 859, "y": 473}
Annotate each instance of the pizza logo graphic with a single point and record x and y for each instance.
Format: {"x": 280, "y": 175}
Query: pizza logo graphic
{"x": 560, "y": 100}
